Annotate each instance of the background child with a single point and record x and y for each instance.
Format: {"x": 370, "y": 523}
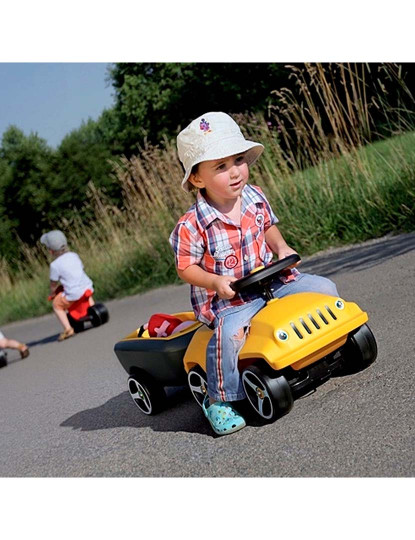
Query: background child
{"x": 6, "y": 343}
{"x": 66, "y": 268}
{"x": 227, "y": 233}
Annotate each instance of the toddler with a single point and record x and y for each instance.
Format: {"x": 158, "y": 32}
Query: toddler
{"x": 228, "y": 232}
{"x": 66, "y": 268}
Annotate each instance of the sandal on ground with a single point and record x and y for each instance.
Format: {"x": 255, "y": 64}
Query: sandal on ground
{"x": 222, "y": 417}
{"x": 66, "y": 334}
{"x": 24, "y": 351}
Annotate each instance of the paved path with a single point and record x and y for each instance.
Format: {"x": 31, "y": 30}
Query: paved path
{"x": 65, "y": 411}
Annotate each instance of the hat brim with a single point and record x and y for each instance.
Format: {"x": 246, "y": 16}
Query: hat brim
{"x": 230, "y": 148}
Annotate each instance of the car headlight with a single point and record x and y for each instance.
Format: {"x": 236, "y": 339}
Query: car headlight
{"x": 339, "y": 304}
{"x": 282, "y": 335}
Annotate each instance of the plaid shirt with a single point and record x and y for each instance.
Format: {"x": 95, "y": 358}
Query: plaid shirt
{"x": 207, "y": 238}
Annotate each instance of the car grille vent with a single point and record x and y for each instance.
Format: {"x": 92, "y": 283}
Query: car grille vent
{"x": 322, "y": 317}
{"x": 296, "y": 330}
{"x": 333, "y": 316}
{"x": 311, "y": 323}
{"x": 305, "y": 326}
{"x": 312, "y": 319}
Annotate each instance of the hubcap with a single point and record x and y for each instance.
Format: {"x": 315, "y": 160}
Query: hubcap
{"x": 140, "y": 396}
{"x": 260, "y": 393}
{"x": 198, "y": 386}
{"x": 257, "y": 394}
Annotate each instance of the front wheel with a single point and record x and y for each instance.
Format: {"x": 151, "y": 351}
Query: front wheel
{"x": 359, "y": 351}
{"x": 271, "y": 398}
{"x": 147, "y": 394}
{"x": 78, "y": 326}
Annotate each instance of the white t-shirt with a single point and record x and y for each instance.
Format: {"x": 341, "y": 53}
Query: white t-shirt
{"x": 69, "y": 270}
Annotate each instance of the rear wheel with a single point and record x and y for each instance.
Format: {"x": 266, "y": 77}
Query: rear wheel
{"x": 270, "y": 397}
{"x": 147, "y": 394}
{"x": 198, "y": 384}
{"x": 359, "y": 351}
{"x": 99, "y": 314}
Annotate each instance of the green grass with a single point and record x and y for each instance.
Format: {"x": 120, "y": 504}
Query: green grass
{"x": 361, "y": 195}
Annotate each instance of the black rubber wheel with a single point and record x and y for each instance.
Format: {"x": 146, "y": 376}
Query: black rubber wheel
{"x": 147, "y": 394}
{"x": 3, "y": 359}
{"x": 197, "y": 380}
{"x": 99, "y": 314}
{"x": 271, "y": 398}
{"x": 78, "y": 326}
{"x": 359, "y": 351}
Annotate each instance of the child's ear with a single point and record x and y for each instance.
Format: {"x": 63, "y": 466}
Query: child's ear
{"x": 196, "y": 181}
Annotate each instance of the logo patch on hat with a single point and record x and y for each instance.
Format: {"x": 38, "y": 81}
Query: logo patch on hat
{"x": 205, "y": 126}
{"x": 231, "y": 261}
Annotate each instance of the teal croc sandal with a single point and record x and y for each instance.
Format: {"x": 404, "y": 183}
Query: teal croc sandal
{"x": 222, "y": 417}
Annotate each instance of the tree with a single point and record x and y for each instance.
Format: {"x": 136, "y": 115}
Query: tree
{"x": 154, "y": 99}
{"x": 83, "y": 156}
{"x": 7, "y": 225}
{"x": 27, "y": 182}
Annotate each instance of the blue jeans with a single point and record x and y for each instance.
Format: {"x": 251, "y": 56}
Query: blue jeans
{"x": 231, "y": 328}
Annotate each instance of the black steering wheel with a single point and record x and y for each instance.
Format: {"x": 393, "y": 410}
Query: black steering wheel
{"x": 260, "y": 280}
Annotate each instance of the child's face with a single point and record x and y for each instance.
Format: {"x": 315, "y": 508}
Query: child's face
{"x": 223, "y": 179}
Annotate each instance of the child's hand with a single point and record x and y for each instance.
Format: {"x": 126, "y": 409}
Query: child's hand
{"x": 286, "y": 252}
{"x": 221, "y": 285}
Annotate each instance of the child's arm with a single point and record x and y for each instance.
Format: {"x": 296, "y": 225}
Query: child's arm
{"x": 198, "y": 277}
{"x": 53, "y": 286}
{"x": 277, "y": 244}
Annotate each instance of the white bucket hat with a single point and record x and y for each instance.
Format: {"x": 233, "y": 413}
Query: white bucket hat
{"x": 54, "y": 240}
{"x": 214, "y": 135}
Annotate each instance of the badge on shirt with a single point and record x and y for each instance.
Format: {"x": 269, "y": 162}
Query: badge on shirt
{"x": 231, "y": 261}
{"x": 259, "y": 220}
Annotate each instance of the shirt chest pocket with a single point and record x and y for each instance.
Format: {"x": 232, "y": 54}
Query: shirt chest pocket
{"x": 223, "y": 251}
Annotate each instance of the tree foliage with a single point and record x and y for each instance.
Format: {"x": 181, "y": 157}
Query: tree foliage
{"x": 154, "y": 99}
{"x": 27, "y": 182}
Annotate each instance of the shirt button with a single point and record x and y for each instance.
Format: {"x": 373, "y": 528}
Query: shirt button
{"x": 246, "y": 258}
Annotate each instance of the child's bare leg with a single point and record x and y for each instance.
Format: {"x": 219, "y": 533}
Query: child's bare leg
{"x": 6, "y": 343}
{"x": 91, "y": 301}
{"x": 62, "y": 318}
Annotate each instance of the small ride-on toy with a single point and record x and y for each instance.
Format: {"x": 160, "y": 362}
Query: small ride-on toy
{"x": 81, "y": 313}
{"x": 294, "y": 345}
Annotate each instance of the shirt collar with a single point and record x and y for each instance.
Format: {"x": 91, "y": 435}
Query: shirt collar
{"x": 206, "y": 213}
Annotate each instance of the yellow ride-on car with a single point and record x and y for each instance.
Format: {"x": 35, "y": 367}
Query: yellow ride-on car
{"x": 294, "y": 345}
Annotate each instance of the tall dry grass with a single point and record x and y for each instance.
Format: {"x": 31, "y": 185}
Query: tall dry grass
{"x": 327, "y": 184}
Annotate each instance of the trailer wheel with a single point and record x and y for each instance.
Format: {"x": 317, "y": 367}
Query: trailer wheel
{"x": 147, "y": 394}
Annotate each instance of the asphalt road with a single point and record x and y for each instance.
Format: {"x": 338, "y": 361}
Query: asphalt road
{"x": 66, "y": 412}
